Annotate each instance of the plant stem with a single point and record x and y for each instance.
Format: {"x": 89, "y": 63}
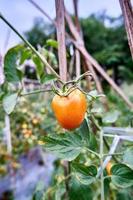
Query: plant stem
{"x": 112, "y": 154}
{"x": 101, "y": 163}
{"x": 35, "y": 92}
{"x": 96, "y": 154}
{"x": 42, "y": 58}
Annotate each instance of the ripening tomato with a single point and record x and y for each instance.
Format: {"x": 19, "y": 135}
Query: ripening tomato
{"x": 108, "y": 168}
{"x": 70, "y": 110}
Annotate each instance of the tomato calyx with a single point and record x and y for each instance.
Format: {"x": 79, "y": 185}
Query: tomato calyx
{"x": 70, "y": 86}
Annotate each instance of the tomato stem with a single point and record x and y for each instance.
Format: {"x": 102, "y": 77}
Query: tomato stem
{"x": 35, "y": 92}
{"x": 88, "y": 73}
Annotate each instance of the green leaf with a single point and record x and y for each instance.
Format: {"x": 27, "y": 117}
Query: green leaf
{"x": 11, "y": 71}
{"x": 52, "y": 43}
{"x": 26, "y": 54}
{"x": 122, "y": 175}
{"x": 93, "y": 95}
{"x": 78, "y": 191}
{"x": 59, "y": 192}
{"x": 9, "y": 102}
{"x": 88, "y": 138}
{"x": 38, "y": 194}
{"x": 85, "y": 174}
{"x": 111, "y": 117}
{"x": 70, "y": 144}
{"x": 124, "y": 194}
{"x": 85, "y": 132}
{"x": 46, "y": 78}
{"x": 39, "y": 66}
{"x": 66, "y": 146}
{"x": 128, "y": 157}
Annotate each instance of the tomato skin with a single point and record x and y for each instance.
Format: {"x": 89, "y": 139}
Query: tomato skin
{"x": 70, "y": 111}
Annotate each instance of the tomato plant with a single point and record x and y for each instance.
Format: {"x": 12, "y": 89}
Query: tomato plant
{"x": 80, "y": 139}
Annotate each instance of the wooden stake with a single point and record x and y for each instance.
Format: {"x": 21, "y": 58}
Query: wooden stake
{"x": 61, "y": 39}
{"x": 127, "y": 11}
{"x": 80, "y": 46}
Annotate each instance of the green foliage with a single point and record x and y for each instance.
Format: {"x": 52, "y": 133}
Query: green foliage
{"x": 108, "y": 45}
{"x": 38, "y": 194}
{"x": 128, "y": 157}
{"x": 9, "y": 102}
{"x": 111, "y": 117}
{"x": 79, "y": 191}
{"x": 66, "y": 146}
{"x": 11, "y": 66}
{"x": 52, "y": 43}
{"x": 84, "y": 174}
{"x": 122, "y": 175}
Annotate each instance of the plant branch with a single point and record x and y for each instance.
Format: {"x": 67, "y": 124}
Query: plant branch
{"x": 35, "y": 92}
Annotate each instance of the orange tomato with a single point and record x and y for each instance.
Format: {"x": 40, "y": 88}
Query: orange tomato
{"x": 108, "y": 168}
{"x": 70, "y": 110}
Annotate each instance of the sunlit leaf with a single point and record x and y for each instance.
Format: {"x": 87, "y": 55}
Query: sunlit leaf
{"x": 52, "y": 43}
{"x": 26, "y": 54}
{"x": 11, "y": 71}
{"x": 9, "y": 102}
{"x": 39, "y": 66}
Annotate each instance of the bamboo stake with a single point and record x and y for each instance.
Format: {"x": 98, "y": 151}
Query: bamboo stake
{"x": 77, "y": 53}
{"x": 127, "y": 11}
{"x": 80, "y": 46}
{"x": 60, "y": 27}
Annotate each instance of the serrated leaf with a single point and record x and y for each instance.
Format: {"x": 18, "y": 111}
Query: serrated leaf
{"x": 66, "y": 146}
{"x": 85, "y": 174}
{"x": 78, "y": 191}
{"x": 122, "y": 175}
{"x": 11, "y": 71}
{"x": 111, "y": 117}
{"x": 9, "y": 102}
